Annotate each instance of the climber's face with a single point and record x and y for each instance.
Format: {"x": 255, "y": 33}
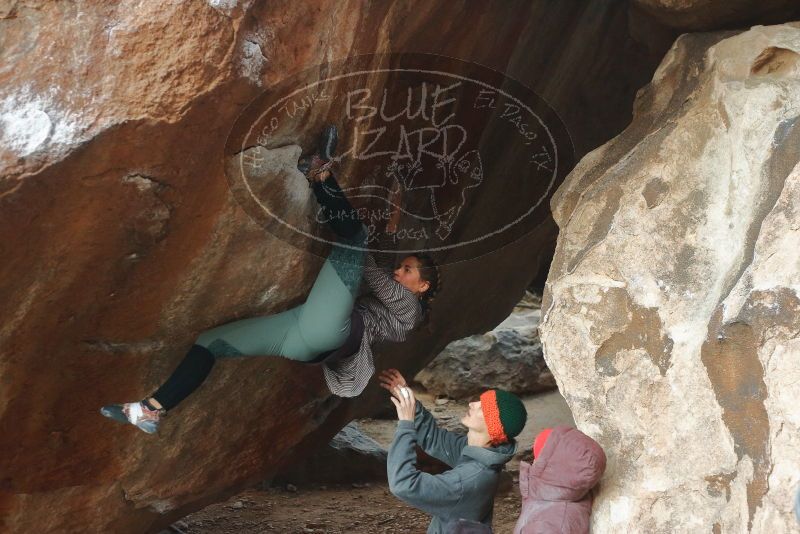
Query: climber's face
{"x": 408, "y": 275}
{"x": 473, "y": 419}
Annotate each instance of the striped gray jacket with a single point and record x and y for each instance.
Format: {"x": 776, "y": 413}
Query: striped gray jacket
{"x": 390, "y": 312}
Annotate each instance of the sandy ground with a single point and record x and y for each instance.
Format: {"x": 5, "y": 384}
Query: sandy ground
{"x": 367, "y": 508}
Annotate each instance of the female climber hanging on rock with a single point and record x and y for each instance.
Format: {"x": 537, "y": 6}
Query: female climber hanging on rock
{"x": 332, "y": 326}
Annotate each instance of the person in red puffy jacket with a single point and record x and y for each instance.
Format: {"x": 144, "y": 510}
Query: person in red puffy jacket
{"x": 556, "y": 487}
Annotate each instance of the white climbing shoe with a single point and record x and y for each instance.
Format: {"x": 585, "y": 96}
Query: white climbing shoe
{"x": 134, "y": 413}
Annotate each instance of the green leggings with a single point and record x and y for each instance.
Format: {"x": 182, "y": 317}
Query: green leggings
{"x": 302, "y": 333}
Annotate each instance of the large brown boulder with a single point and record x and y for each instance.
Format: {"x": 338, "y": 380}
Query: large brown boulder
{"x": 671, "y": 313}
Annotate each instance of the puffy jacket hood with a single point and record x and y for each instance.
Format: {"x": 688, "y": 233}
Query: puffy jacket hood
{"x": 569, "y": 465}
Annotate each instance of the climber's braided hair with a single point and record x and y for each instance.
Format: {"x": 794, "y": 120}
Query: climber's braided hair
{"x": 429, "y": 272}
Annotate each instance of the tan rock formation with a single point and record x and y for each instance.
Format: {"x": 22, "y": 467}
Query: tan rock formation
{"x": 672, "y": 310}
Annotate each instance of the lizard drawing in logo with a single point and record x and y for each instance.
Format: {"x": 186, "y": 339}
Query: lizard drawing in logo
{"x": 435, "y": 197}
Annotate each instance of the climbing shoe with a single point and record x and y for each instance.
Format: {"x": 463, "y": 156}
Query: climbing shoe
{"x": 312, "y": 164}
{"x": 316, "y": 167}
{"x": 135, "y": 413}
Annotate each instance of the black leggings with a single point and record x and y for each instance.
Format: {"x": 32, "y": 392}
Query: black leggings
{"x": 198, "y": 362}
{"x": 186, "y": 378}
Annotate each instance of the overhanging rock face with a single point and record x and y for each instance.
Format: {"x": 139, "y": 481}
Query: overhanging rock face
{"x": 672, "y": 310}
{"x": 704, "y": 15}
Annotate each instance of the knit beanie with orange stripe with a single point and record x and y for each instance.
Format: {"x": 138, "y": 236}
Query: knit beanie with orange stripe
{"x": 504, "y": 413}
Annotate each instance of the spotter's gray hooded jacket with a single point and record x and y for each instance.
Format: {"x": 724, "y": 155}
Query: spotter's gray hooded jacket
{"x": 465, "y": 492}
